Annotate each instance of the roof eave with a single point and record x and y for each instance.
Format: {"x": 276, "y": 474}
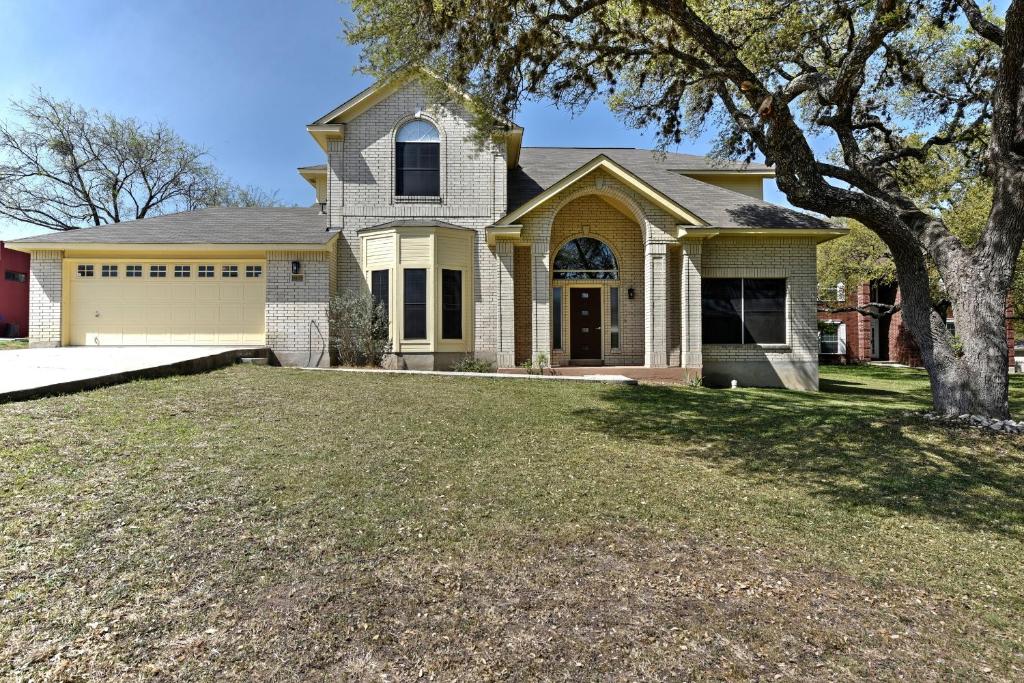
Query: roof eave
{"x": 325, "y": 132}
{"x": 175, "y": 247}
{"x": 708, "y": 232}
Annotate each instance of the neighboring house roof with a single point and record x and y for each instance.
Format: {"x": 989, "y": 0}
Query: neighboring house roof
{"x": 541, "y": 168}
{"x": 219, "y": 225}
{"x": 414, "y": 223}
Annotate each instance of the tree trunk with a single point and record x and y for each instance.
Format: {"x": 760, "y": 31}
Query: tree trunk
{"x": 969, "y": 373}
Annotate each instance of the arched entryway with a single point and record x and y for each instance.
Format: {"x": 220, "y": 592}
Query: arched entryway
{"x": 596, "y": 284}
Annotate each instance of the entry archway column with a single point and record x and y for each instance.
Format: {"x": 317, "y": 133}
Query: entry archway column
{"x": 541, "y": 308}
{"x": 690, "y": 299}
{"x": 504, "y": 249}
{"x": 656, "y": 305}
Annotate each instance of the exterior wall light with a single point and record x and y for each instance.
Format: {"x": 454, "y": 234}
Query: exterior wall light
{"x": 631, "y": 293}
{"x": 296, "y": 267}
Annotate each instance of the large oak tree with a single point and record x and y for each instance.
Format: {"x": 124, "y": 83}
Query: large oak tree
{"x": 883, "y": 80}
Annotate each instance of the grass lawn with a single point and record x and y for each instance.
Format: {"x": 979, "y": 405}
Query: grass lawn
{"x": 9, "y": 344}
{"x": 272, "y": 524}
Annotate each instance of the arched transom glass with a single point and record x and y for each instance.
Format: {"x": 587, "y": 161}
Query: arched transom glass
{"x": 418, "y": 130}
{"x": 585, "y": 258}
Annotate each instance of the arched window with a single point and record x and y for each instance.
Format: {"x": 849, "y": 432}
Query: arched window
{"x": 585, "y": 258}
{"x": 417, "y": 160}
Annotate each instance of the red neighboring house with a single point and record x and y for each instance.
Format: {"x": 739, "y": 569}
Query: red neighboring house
{"x": 856, "y": 338}
{"x": 13, "y": 292}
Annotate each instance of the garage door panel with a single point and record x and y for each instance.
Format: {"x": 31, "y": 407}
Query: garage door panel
{"x": 166, "y": 311}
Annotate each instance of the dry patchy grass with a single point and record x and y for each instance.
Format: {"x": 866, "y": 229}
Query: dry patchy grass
{"x": 268, "y": 524}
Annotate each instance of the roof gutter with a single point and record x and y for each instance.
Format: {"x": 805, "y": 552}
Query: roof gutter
{"x": 175, "y": 247}
{"x": 701, "y": 232}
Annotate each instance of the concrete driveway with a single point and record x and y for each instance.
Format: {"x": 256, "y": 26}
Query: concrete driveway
{"x": 28, "y": 373}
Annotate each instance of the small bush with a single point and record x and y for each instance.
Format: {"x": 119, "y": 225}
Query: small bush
{"x": 470, "y": 364}
{"x": 538, "y": 368}
{"x": 359, "y": 330}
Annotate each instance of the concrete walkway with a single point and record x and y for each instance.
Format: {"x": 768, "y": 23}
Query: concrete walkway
{"x": 29, "y": 373}
{"x": 603, "y": 379}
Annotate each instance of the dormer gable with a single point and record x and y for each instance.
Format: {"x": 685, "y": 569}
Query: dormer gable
{"x": 332, "y": 125}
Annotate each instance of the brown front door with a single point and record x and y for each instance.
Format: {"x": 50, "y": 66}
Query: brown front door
{"x": 585, "y": 323}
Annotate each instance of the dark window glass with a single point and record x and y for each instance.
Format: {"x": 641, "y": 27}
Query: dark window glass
{"x": 414, "y": 324}
{"x": 585, "y": 258}
{"x": 764, "y": 311}
{"x": 451, "y": 304}
{"x": 556, "y": 317}
{"x": 380, "y": 290}
{"x": 614, "y": 306}
{"x": 418, "y": 169}
{"x": 15, "y": 276}
{"x": 721, "y": 310}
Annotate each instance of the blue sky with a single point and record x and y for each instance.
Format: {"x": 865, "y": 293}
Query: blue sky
{"x": 240, "y": 78}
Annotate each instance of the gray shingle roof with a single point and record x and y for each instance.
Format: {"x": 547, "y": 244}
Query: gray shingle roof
{"x": 220, "y": 225}
{"x": 541, "y": 167}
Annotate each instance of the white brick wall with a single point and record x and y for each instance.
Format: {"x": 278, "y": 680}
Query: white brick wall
{"x": 790, "y": 258}
{"x": 473, "y": 191}
{"x": 297, "y": 327}
{"x": 44, "y": 295}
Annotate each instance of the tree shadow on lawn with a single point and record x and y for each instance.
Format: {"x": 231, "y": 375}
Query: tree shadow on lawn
{"x": 850, "y": 443}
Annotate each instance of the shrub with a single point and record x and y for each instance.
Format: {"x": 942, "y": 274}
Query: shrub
{"x": 539, "y": 367}
{"x": 359, "y": 330}
{"x": 470, "y": 364}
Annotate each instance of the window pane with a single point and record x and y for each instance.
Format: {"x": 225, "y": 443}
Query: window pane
{"x": 556, "y": 317}
{"x": 418, "y": 131}
{"x": 418, "y": 169}
{"x": 614, "y": 301}
{"x": 829, "y": 341}
{"x": 379, "y": 289}
{"x": 721, "y": 302}
{"x": 764, "y": 311}
{"x": 585, "y": 258}
{"x": 414, "y": 324}
{"x": 451, "y": 304}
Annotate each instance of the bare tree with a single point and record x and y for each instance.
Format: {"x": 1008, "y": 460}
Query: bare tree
{"x": 64, "y": 167}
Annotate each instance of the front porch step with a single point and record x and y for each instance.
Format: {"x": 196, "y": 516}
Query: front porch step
{"x": 586, "y": 363}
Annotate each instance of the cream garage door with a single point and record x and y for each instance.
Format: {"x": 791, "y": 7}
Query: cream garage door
{"x": 152, "y": 303}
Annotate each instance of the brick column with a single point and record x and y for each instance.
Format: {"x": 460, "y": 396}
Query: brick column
{"x": 505, "y": 292}
{"x": 45, "y": 290}
{"x": 692, "y": 338}
{"x": 541, "y": 301}
{"x": 655, "y": 305}
{"x": 296, "y": 308}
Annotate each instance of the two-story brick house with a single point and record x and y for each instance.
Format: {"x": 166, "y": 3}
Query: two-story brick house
{"x": 670, "y": 265}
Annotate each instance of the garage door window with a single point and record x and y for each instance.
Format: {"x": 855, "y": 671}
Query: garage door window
{"x": 253, "y": 271}
{"x": 85, "y": 270}
{"x": 205, "y": 271}
{"x": 108, "y": 271}
{"x": 158, "y": 271}
{"x": 182, "y": 271}
{"x": 229, "y": 271}
{"x": 133, "y": 271}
